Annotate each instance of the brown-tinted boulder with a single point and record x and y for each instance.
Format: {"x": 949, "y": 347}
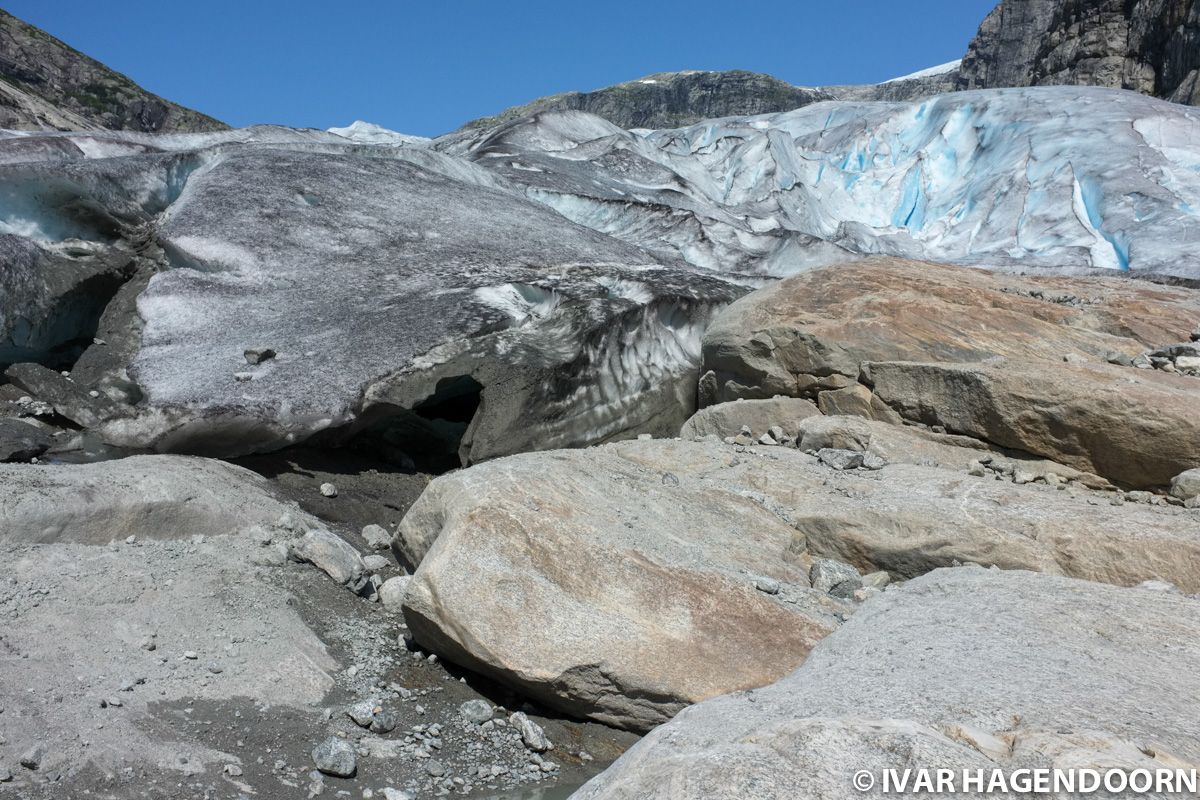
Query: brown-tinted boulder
{"x": 1019, "y": 361}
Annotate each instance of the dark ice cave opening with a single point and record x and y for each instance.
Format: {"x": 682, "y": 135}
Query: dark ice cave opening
{"x": 428, "y": 436}
{"x": 59, "y": 341}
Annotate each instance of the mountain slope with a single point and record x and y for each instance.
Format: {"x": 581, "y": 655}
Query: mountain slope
{"x": 1149, "y": 46}
{"x": 672, "y": 99}
{"x": 44, "y": 83}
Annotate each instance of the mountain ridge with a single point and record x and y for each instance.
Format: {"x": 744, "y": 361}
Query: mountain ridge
{"x": 46, "y": 83}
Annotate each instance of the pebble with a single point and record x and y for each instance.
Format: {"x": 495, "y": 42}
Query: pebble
{"x": 328, "y": 490}
{"x": 531, "y": 733}
{"x": 233, "y": 770}
{"x": 5, "y": 775}
{"x": 336, "y": 757}
{"x": 190, "y": 655}
{"x": 257, "y": 355}
{"x": 435, "y": 768}
{"x": 827, "y": 573}
{"x": 32, "y": 758}
{"x": 377, "y": 537}
{"x": 476, "y": 711}
{"x": 766, "y": 585}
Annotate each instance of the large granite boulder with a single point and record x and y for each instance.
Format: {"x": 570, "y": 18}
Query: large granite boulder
{"x": 619, "y": 582}
{"x": 960, "y": 669}
{"x": 1040, "y": 364}
{"x": 156, "y": 497}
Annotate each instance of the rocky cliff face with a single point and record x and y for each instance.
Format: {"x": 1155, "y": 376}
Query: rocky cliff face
{"x": 46, "y": 84}
{"x": 1149, "y": 46}
{"x": 671, "y": 99}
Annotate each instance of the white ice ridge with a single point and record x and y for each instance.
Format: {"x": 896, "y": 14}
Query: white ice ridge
{"x": 929, "y": 72}
{"x": 370, "y": 133}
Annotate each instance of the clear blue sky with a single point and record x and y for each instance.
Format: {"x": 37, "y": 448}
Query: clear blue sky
{"x": 425, "y": 68}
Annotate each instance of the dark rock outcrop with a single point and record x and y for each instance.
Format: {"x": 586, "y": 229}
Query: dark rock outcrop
{"x": 1149, "y": 46}
{"x": 670, "y": 99}
{"x": 45, "y": 83}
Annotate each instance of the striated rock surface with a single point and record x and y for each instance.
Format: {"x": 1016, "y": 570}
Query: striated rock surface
{"x": 1039, "y": 364}
{"x": 960, "y": 669}
{"x": 48, "y": 84}
{"x": 624, "y": 582}
{"x": 1149, "y": 46}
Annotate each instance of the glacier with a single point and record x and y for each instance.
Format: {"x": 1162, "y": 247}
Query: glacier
{"x": 1046, "y": 177}
{"x": 544, "y": 282}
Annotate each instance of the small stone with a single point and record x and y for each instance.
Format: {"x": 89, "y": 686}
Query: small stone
{"x": 1186, "y": 485}
{"x": 148, "y": 644}
{"x": 390, "y": 793}
{"x": 670, "y": 479}
{"x": 827, "y": 573}
{"x": 328, "y": 490}
{"x": 476, "y": 711}
{"x": 363, "y": 712}
{"x": 976, "y": 469}
{"x": 257, "y": 355}
{"x": 5, "y": 775}
{"x": 376, "y": 563}
{"x": 215, "y": 668}
{"x": 392, "y": 591}
{"x": 1142, "y": 362}
{"x": 532, "y": 734}
{"x": 645, "y": 437}
{"x": 377, "y": 537}
{"x": 335, "y": 756}
{"x": 384, "y": 721}
{"x": 1196, "y": 334}
{"x": 777, "y": 434}
{"x": 190, "y": 655}
{"x": 876, "y": 580}
{"x": 872, "y": 461}
{"x": 233, "y": 770}
{"x": 32, "y": 758}
{"x": 1022, "y": 477}
{"x": 840, "y": 459}
{"x": 243, "y": 377}
{"x": 766, "y": 585}
{"x": 435, "y": 768}
{"x": 767, "y": 440}
{"x": 130, "y": 540}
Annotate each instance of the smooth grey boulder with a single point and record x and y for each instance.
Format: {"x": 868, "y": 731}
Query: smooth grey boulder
{"x": 727, "y": 419}
{"x": 962, "y": 668}
{"x": 330, "y": 553}
{"x": 21, "y": 441}
{"x": 1186, "y": 485}
{"x": 156, "y": 497}
{"x": 834, "y": 433}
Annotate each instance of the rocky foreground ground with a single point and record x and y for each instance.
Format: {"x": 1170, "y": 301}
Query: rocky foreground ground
{"x": 926, "y": 515}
